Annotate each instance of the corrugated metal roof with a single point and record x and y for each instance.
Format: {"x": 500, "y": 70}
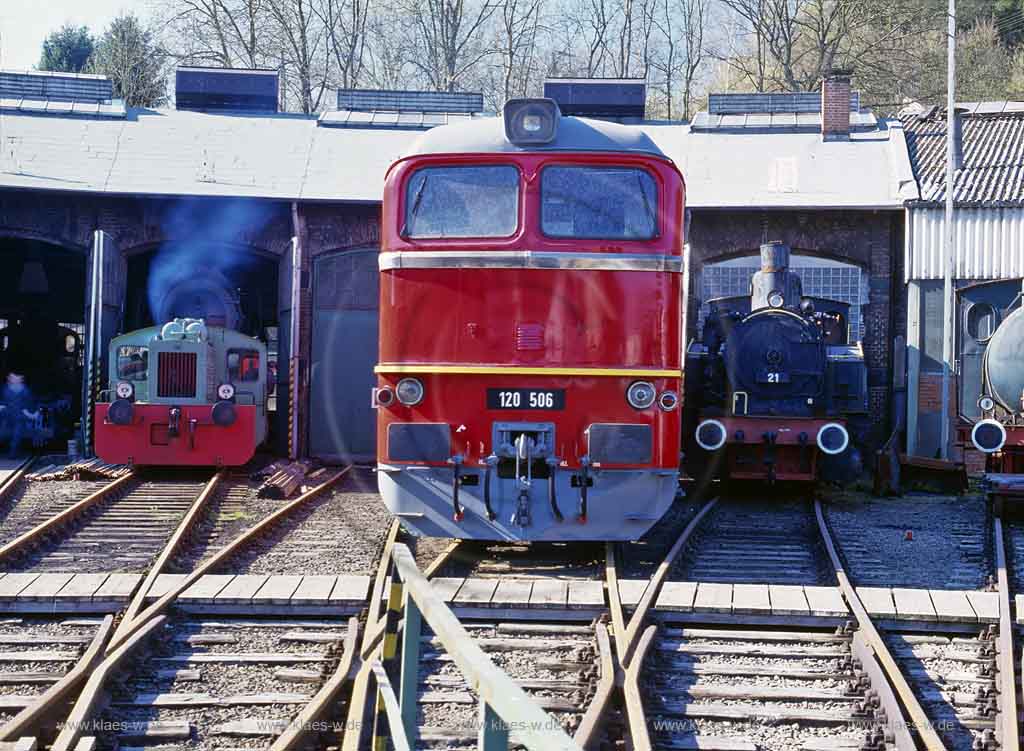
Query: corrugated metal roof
{"x": 55, "y": 86}
{"x": 993, "y": 149}
{"x": 776, "y": 120}
{"x": 790, "y": 168}
{"x": 989, "y": 243}
{"x": 375, "y": 100}
{"x": 746, "y": 103}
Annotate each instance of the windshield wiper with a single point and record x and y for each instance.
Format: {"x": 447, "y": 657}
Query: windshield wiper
{"x": 647, "y": 204}
{"x": 415, "y": 205}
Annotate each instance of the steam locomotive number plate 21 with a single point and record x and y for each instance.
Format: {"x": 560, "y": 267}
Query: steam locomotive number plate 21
{"x": 525, "y": 398}
{"x": 772, "y": 376}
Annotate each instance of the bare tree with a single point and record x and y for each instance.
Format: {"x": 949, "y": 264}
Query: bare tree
{"x": 345, "y": 22}
{"x": 448, "y": 38}
{"x": 518, "y": 25}
{"x": 229, "y": 33}
{"x": 680, "y": 24}
{"x": 302, "y": 41}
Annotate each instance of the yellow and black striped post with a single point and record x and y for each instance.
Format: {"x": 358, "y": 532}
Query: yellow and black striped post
{"x": 389, "y": 658}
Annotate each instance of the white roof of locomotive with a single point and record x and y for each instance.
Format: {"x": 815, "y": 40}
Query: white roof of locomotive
{"x": 487, "y": 136}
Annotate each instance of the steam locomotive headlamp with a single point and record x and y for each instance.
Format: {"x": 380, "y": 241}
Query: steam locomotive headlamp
{"x": 988, "y": 436}
{"x": 711, "y": 435}
{"x": 530, "y": 121}
{"x": 226, "y": 391}
{"x": 124, "y": 390}
{"x": 833, "y": 438}
{"x": 668, "y": 400}
{"x": 986, "y": 404}
{"x": 409, "y": 392}
{"x": 775, "y": 299}
{"x": 641, "y": 394}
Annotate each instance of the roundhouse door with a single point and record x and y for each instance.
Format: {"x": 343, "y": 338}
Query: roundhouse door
{"x": 342, "y": 424}
{"x": 105, "y": 290}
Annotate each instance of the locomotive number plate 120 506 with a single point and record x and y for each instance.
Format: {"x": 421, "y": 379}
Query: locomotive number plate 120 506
{"x": 525, "y": 398}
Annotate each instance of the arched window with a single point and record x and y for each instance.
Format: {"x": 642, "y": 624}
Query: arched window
{"x": 820, "y": 277}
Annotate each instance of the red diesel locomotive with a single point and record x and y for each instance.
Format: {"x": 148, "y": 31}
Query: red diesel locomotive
{"x": 529, "y": 372}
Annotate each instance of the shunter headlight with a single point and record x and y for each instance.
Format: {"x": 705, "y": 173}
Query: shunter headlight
{"x": 668, "y": 400}
{"x": 124, "y": 390}
{"x": 383, "y": 397}
{"x": 409, "y": 392}
{"x": 530, "y": 121}
{"x": 641, "y": 394}
{"x": 226, "y": 391}
{"x": 120, "y": 412}
{"x": 833, "y": 438}
{"x": 988, "y": 436}
{"x": 775, "y": 299}
{"x": 986, "y": 403}
{"x": 711, "y": 435}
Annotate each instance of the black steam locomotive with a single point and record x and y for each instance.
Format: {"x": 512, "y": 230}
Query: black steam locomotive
{"x": 990, "y": 332}
{"x": 773, "y": 380}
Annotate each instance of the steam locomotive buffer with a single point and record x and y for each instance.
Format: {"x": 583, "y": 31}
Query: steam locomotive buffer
{"x": 773, "y": 381}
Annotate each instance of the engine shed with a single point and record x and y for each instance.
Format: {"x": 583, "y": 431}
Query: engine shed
{"x": 227, "y": 207}
{"x": 113, "y": 218}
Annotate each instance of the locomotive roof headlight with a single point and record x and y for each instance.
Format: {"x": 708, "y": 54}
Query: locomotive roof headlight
{"x": 226, "y": 391}
{"x": 775, "y": 299}
{"x": 124, "y": 390}
{"x": 530, "y": 121}
{"x": 988, "y": 436}
{"x": 833, "y": 438}
{"x": 668, "y": 400}
{"x": 711, "y": 435}
{"x": 409, "y": 392}
{"x": 641, "y": 394}
{"x": 986, "y": 403}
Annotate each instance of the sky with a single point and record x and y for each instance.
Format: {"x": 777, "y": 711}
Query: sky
{"x": 25, "y": 23}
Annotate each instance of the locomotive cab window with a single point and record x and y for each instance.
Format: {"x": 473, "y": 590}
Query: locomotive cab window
{"x": 132, "y": 362}
{"x": 462, "y": 202}
{"x": 982, "y": 320}
{"x": 243, "y": 365}
{"x": 600, "y": 203}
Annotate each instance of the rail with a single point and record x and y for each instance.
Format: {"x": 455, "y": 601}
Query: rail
{"x": 503, "y": 704}
{"x": 128, "y": 628}
{"x": 919, "y": 720}
{"x": 24, "y": 542}
{"x": 1010, "y": 732}
{"x": 302, "y": 726}
{"x": 184, "y": 527}
{"x": 40, "y": 718}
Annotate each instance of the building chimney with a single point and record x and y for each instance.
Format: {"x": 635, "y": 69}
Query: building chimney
{"x": 835, "y": 105}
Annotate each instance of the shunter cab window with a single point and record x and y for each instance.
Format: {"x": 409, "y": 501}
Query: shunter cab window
{"x": 601, "y": 203}
{"x": 243, "y": 365}
{"x": 132, "y": 362}
{"x": 462, "y": 202}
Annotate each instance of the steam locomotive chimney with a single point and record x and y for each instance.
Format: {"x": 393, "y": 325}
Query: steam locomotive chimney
{"x": 774, "y": 280}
